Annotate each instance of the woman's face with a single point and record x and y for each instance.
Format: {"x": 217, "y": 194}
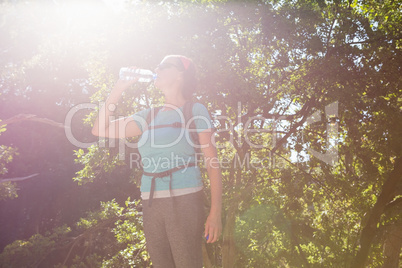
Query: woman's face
{"x": 168, "y": 75}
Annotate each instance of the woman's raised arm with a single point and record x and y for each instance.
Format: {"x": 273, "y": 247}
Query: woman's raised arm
{"x": 117, "y": 129}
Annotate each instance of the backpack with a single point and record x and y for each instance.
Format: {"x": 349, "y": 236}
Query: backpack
{"x": 188, "y": 114}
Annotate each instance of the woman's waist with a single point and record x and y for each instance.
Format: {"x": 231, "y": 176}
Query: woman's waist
{"x": 165, "y": 163}
{"x": 171, "y": 193}
{"x": 167, "y": 171}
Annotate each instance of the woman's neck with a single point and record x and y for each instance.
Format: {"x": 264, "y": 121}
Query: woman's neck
{"x": 176, "y": 100}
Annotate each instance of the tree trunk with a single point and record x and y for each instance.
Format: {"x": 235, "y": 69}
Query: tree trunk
{"x": 205, "y": 257}
{"x": 392, "y": 247}
{"x": 228, "y": 243}
{"x": 369, "y": 231}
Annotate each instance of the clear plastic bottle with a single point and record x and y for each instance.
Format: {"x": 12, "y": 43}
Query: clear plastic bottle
{"x": 143, "y": 75}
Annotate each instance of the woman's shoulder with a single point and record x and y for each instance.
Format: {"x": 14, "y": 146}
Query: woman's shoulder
{"x": 199, "y": 108}
{"x": 142, "y": 113}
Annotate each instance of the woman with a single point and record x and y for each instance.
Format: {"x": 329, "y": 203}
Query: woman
{"x": 171, "y": 187}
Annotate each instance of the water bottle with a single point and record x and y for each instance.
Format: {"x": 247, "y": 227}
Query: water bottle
{"x": 143, "y": 75}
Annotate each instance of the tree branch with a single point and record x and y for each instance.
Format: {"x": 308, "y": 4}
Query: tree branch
{"x": 31, "y": 117}
{"x": 304, "y": 111}
{"x": 19, "y": 178}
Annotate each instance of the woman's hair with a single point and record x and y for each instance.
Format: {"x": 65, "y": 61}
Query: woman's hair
{"x": 186, "y": 65}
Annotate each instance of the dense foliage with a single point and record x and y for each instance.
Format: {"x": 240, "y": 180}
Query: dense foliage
{"x": 307, "y": 101}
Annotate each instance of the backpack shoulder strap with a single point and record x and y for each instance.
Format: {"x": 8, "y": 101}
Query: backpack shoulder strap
{"x": 188, "y": 111}
{"x": 188, "y": 115}
{"x": 152, "y": 114}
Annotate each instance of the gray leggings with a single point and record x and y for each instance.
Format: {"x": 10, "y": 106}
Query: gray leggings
{"x": 173, "y": 230}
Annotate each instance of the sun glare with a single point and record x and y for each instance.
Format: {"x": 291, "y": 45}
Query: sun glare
{"x": 75, "y": 16}
{"x": 116, "y": 5}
